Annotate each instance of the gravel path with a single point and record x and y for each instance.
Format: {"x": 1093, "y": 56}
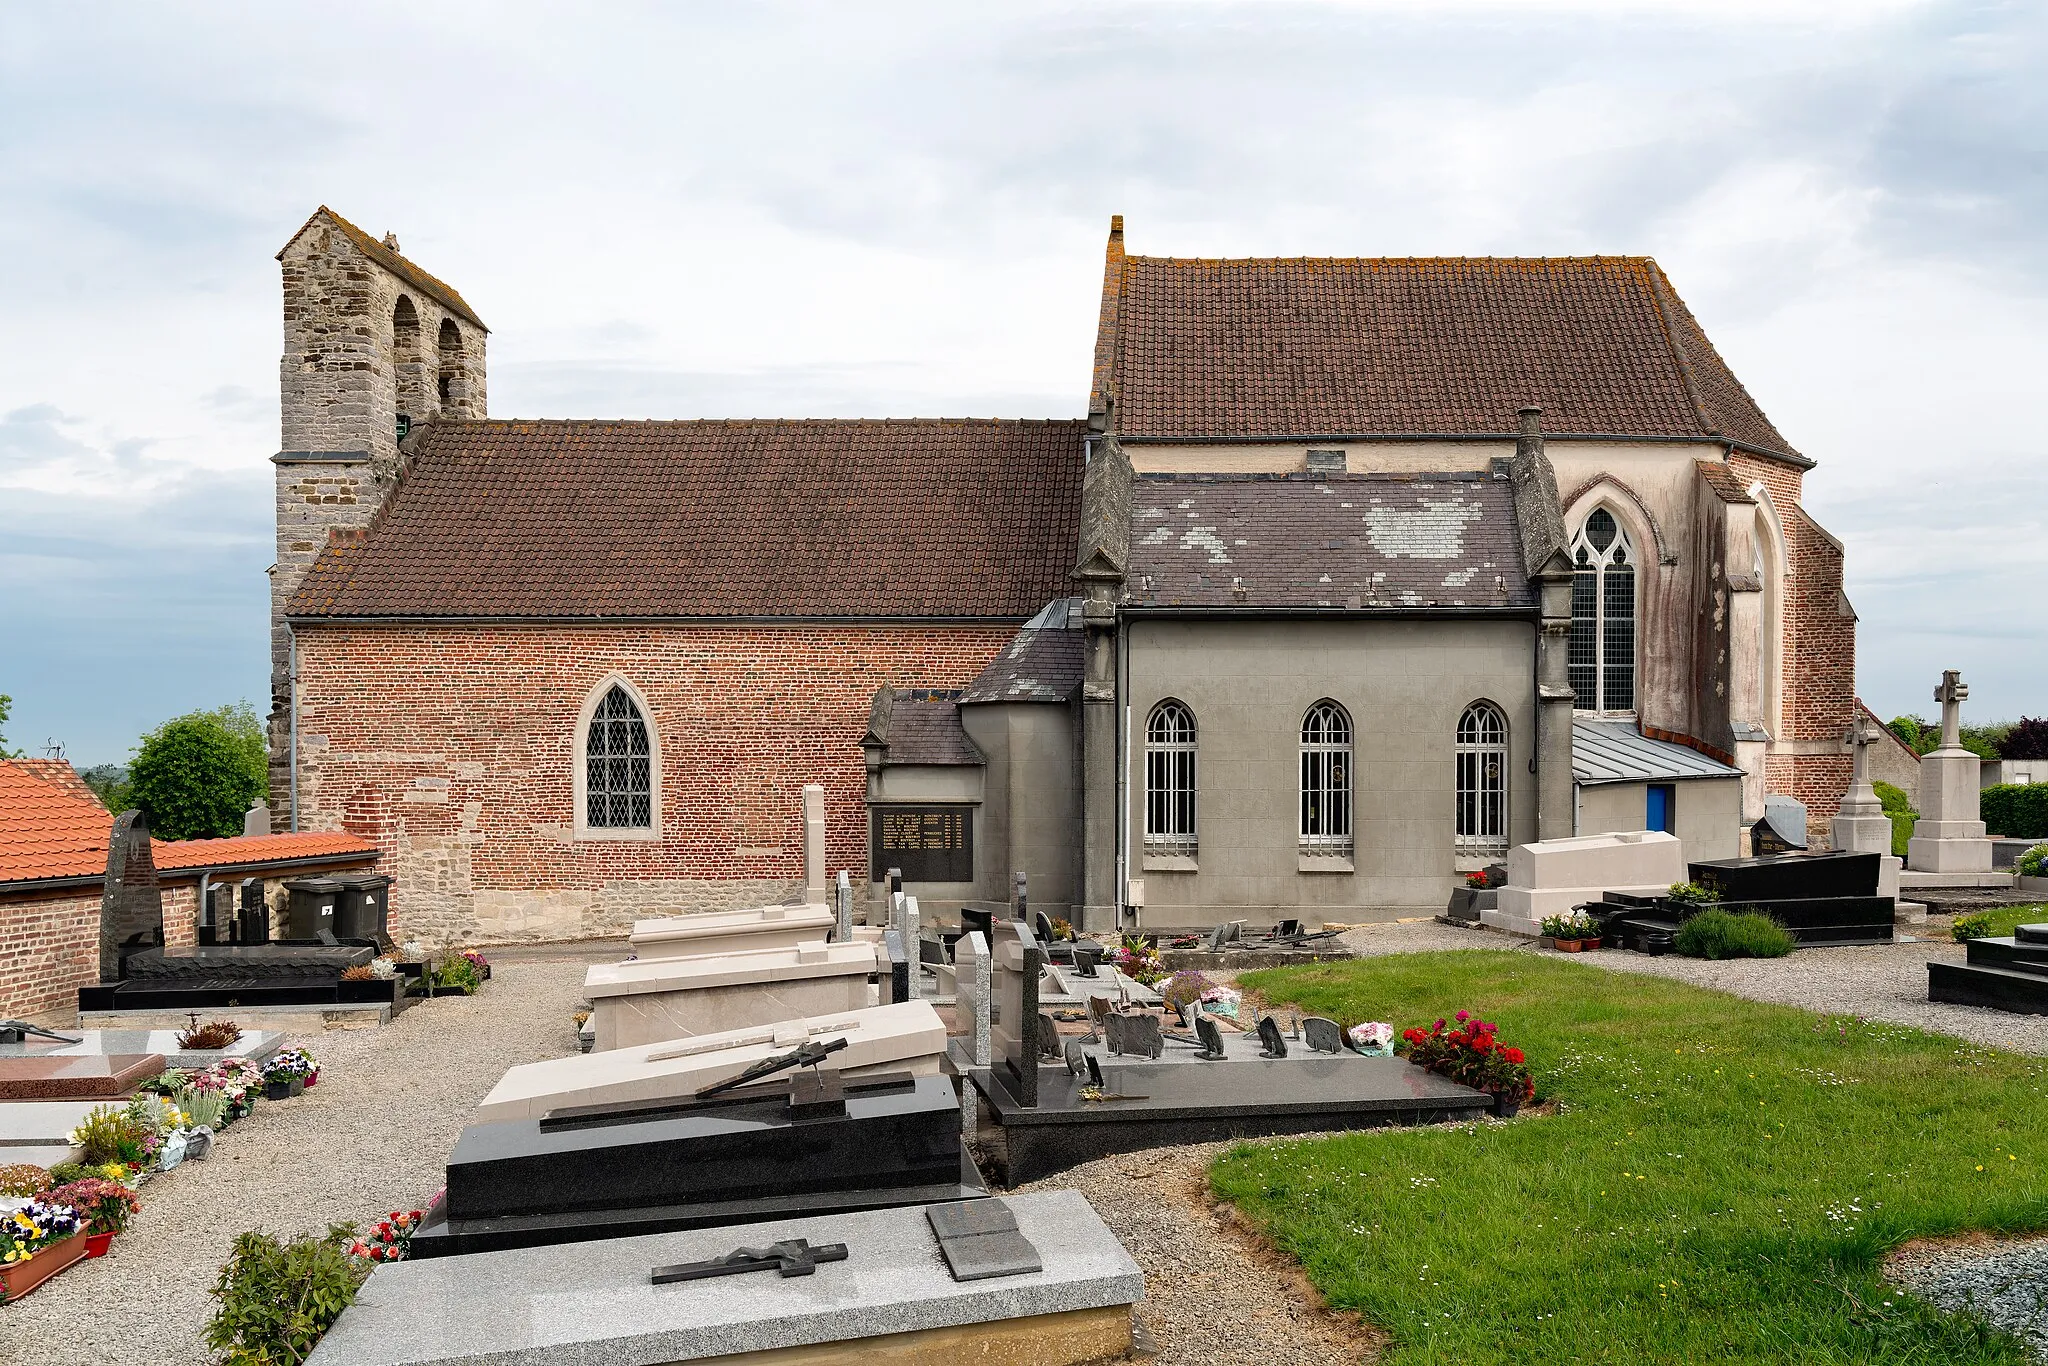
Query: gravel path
{"x": 370, "y": 1138}
{"x": 2004, "y": 1282}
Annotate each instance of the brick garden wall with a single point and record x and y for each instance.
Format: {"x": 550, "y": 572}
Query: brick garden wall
{"x": 454, "y": 749}
{"x": 50, "y": 946}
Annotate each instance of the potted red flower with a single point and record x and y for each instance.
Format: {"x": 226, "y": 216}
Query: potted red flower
{"x": 1473, "y": 1055}
{"x": 105, "y": 1206}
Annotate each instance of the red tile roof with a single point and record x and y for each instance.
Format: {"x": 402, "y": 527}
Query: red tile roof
{"x": 1725, "y": 483}
{"x": 52, "y": 826}
{"x": 47, "y": 829}
{"x": 1424, "y": 346}
{"x": 819, "y": 518}
{"x": 251, "y": 850}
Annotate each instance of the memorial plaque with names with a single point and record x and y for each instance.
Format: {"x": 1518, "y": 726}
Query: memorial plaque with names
{"x": 929, "y": 843}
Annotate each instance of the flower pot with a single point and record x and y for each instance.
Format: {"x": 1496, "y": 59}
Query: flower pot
{"x": 280, "y": 1089}
{"x": 1507, "y": 1107}
{"x": 1590, "y": 944}
{"x": 20, "y": 1278}
{"x": 1548, "y": 941}
{"x": 96, "y": 1244}
{"x": 313, "y": 1077}
{"x": 298, "y": 1085}
{"x": 1569, "y": 945}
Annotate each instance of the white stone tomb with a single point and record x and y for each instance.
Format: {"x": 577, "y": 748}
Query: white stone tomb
{"x": 654, "y": 1000}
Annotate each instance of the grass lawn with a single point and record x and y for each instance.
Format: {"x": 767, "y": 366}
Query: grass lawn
{"x": 2004, "y": 918}
{"x": 1718, "y": 1183}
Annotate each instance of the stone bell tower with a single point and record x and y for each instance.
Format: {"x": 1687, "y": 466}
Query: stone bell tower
{"x": 374, "y": 348}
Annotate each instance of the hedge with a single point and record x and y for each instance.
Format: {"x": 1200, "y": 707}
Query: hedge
{"x": 2019, "y": 810}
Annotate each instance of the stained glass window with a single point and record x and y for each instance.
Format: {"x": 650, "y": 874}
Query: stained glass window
{"x": 618, "y": 766}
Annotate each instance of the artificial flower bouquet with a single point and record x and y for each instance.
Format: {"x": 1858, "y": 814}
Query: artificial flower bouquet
{"x": 391, "y": 1239}
{"x": 1374, "y": 1038}
{"x": 1137, "y": 962}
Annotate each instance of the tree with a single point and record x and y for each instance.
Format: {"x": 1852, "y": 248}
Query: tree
{"x": 195, "y": 775}
{"x": 2028, "y": 739}
{"x": 110, "y": 783}
{"x": 6, "y": 703}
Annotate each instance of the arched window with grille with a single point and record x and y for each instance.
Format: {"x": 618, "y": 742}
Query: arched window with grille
{"x": 1326, "y": 780}
{"x": 1603, "y": 641}
{"x": 1170, "y": 780}
{"x": 619, "y": 776}
{"x": 1482, "y": 780}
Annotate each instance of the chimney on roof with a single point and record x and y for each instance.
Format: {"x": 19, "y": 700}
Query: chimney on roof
{"x": 1529, "y": 433}
{"x": 391, "y": 240}
{"x": 1116, "y": 226}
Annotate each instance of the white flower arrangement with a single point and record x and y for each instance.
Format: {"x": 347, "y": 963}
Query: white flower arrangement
{"x": 1375, "y": 1038}
{"x": 413, "y": 950}
{"x": 383, "y": 969}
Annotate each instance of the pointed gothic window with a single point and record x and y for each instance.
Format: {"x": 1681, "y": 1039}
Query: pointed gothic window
{"x": 1326, "y": 780}
{"x": 1482, "y": 780}
{"x": 618, "y": 766}
{"x": 1602, "y": 652}
{"x": 1170, "y": 780}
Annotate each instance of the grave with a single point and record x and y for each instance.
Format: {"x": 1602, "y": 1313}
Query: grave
{"x": 714, "y": 932}
{"x": 908, "y": 1038}
{"x": 893, "y": 1297}
{"x": 1822, "y": 898}
{"x": 1552, "y": 877}
{"x": 39, "y": 1131}
{"x": 139, "y": 974}
{"x": 1949, "y": 837}
{"x": 654, "y": 1000}
{"x": 257, "y": 1045}
{"x": 2008, "y": 973}
{"x": 76, "y": 1076}
{"x": 1036, "y": 1119}
{"x": 804, "y": 1141}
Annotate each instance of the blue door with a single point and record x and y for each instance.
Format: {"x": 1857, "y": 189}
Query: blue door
{"x": 1659, "y": 807}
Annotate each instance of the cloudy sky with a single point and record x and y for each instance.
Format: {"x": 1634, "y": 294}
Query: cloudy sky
{"x": 868, "y": 209}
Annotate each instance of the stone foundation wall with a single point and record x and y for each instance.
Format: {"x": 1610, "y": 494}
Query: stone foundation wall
{"x": 455, "y": 749}
{"x": 49, "y": 948}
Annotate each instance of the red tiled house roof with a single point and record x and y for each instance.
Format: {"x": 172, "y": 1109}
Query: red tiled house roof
{"x": 53, "y": 827}
{"x": 48, "y": 829}
{"x": 1435, "y": 346}
{"x": 924, "y": 518}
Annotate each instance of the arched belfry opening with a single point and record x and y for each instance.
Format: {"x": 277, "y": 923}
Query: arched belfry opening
{"x": 408, "y": 365}
{"x": 453, "y": 384}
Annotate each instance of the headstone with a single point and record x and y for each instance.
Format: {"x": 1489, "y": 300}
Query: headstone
{"x": 1211, "y": 1037}
{"x": 1322, "y": 1035}
{"x": 1100, "y": 1012}
{"x": 1217, "y": 936}
{"x": 1272, "y": 1043}
{"x": 1076, "y": 1057}
{"x": 1017, "y": 963}
{"x": 979, "y": 1240}
{"x": 1087, "y": 958}
{"x": 1949, "y": 837}
{"x": 971, "y": 994}
{"x": 913, "y": 946}
{"x": 843, "y": 903}
{"x": 1861, "y": 825}
{"x": 1136, "y": 1034}
{"x": 898, "y": 969}
{"x": 1048, "y": 1036}
{"x": 253, "y": 921}
{"x": 132, "y": 905}
{"x": 1781, "y": 829}
{"x": 814, "y": 842}
{"x": 256, "y": 820}
{"x": 1019, "y": 906}
{"x": 895, "y": 881}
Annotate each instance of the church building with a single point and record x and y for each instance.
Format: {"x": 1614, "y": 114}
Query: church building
{"x": 1350, "y": 573}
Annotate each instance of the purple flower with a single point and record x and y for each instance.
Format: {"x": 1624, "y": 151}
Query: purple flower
{"x": 1464, "y": 1015}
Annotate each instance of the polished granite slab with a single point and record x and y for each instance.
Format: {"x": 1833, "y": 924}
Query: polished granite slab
{"x": 597, "y": 1307}
{"x": 103, "y": 1076}
{"x": 257, "y": 1045}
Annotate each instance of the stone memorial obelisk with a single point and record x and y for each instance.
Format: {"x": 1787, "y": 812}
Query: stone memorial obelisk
{"x": 1861, "y": 826}
{"x": 1949, "y": 837}
{"x": 814, "y": 844}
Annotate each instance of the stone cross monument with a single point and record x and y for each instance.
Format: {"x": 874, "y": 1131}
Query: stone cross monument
{"x": 1949, "y": 837}
{"x": 1862, "y": 826}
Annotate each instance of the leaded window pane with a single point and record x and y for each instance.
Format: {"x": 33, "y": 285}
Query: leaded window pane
{"x": 618, "y": 770}
{"x": 1325, "y": 825}
{"x": 1600, "y": 652}
{"x": 1482, "y": 780}
{"x": 1170, "y": 780}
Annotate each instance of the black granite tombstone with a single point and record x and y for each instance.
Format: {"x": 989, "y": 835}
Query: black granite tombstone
{"x": 2008, "y": 973}
{"x": 980, "y": 1240}
{"x": 1272, "y": 1043}
{"x": 1212, "y": 1039}
{"x": 895, "y": 979}
{"x": 609, "y": 1171}
{"x": 1048, "y": 1037}
{"x": 1076, "y": 1057}
{"x": 1788, "y": 877}
{"x": 252, "y": 922}
{"x": 1138, "y": 1034}
{"x": 1087, "y": 958}
{"x": 1015, "y": 964}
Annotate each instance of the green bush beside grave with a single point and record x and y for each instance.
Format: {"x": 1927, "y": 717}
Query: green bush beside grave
{"x": 2016, "y": 809}
{"x": 1733, "y": 934}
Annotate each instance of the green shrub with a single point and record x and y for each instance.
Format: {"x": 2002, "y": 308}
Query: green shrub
{"x": 277, "y": 1299}
{"x": 1893, "y": 798}
{"x": 1733, "y": 934}
{"x": 1691, "y": 894}
{"x": 1899, "y": 807}
{"x": 2016, "y": 809}
{"x": 2033, "y": 863}
{"x": 1968, "y": 927}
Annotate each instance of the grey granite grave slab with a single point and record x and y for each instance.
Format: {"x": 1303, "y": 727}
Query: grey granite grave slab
{"x": 257, "y": 1045}
{"x": 537, "y": 1307}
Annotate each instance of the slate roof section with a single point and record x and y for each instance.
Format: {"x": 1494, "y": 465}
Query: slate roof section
{"x": 1616, "y": 752}
{"x": 1354, "y": 542}
{"x": 432, "y": 286}
{"x": 1414, "y": 346}
{"x": 924, "y": 728}
{"x": 912, "y": 518}
{"x": 1042, "y": 663}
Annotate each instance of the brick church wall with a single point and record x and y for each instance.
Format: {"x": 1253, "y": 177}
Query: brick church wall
{"x": 453, "y": 747}
{"x": 51, "y": 946}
